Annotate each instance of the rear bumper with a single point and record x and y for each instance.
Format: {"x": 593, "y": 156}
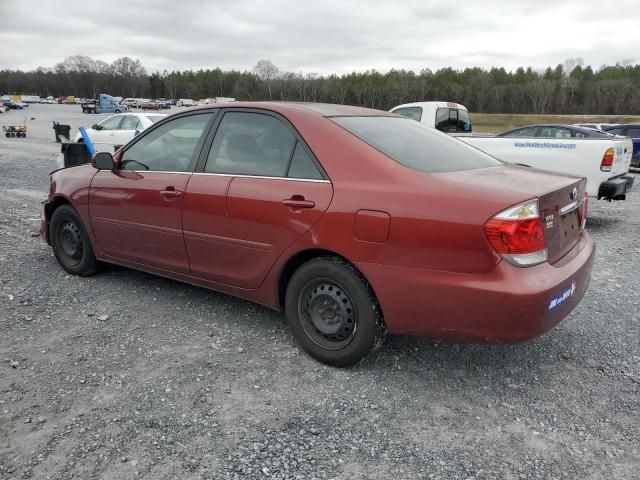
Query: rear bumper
{"x": 615, "y": 188}
{"x": 508, "y": 305}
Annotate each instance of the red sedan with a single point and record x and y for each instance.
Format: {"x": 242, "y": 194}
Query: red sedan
{"x": 353, "y": 221}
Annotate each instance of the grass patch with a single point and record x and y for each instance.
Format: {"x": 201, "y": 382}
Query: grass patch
{"x": 500, "y": 122}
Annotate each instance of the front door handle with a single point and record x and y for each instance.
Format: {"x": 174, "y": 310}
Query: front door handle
{"x": 297, "y": 202}
{"x": 170, "y": 192}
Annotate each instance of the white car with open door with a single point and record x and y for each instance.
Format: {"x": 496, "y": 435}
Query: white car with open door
{"x": 117, "y": 130}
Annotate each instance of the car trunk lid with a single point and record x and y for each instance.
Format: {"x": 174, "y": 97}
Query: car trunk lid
{"x": 562, "y": 213}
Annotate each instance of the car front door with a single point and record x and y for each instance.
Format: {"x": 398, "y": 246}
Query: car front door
{"x": 257, "y": 190}
{"x": 136, "y": 210}
{"x": 103, "y": 138}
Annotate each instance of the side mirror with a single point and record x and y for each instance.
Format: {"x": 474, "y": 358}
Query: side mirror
{"x": 103, "y": 161}
{"x": 136, "y": 133}
{"x": 95, "y": 126}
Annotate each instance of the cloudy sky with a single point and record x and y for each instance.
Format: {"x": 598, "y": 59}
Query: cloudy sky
{"x": 328, "y": 36}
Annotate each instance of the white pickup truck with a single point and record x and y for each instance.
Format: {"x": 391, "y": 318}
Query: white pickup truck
{"x": 601, "y": 158}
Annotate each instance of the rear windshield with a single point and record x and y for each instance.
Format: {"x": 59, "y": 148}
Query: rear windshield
{"x": 155, "y": 118}
{"x": 415, "y": 145}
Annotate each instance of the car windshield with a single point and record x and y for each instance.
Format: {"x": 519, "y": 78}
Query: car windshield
{"x": 155, "y": 118}
{"x": 415, "y": 145}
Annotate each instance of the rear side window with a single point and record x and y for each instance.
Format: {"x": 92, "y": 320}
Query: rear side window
{"x": 453, "y": 120}
{"x": 520, "y": 132}
{"x": 414, "y": 113}
{"x": 130, "y": 123}
{"x": 633, "y": 132}
{"x": 155, "y": 118}
{"x": 415, "y": 145}
{"x": 249, "y": 143}
{"x": 302, "y": 165}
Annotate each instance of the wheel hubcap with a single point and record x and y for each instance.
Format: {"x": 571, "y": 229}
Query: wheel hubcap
{"x": 70, "y": 242}
{"x": 327, "y": 314}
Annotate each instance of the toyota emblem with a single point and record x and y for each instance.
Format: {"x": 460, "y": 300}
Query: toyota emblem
{"x": 574, "y": 193}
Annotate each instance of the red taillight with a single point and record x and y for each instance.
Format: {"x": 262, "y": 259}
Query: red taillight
{"x": 517, "y": 235}
{"x": 607, "y": 160}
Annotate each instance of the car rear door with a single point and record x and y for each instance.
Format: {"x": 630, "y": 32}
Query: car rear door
{"x": 127, "y": 130}
{"x": 256, "y": 191}
{"x": 136, "y": 210}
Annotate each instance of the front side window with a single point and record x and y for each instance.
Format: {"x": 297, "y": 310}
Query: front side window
{"x": 414, "y": 113}
{"x": 248, "y": 143}
{"x": 168, "y": 148}
{"x": 111, "y": 123}
{"x": 415, "y": 145}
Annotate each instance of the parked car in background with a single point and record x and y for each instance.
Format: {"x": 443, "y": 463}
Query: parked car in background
{"x": 594, "y": 126}
{"x": 185, "y": 102}
{"x": 12, "y": 105}
{"x": 448, "y": 117}
{"x": 151, "y": 105}
{"x": 554, "y": 131}
{"x": 117, "y": 130}
{"x": 353, "y": 221}
{"x": 2, "y": 109}
{"x": 631, "y": 131}
{"x": 600, "y": 157}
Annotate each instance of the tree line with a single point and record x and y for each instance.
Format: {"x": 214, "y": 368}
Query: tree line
{"x": 569, "y": 88}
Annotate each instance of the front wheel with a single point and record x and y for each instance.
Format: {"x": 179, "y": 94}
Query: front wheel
{"x": 70, "y": 242}
{"x": 117, "y": 111}
{"x": 333, "y": 312}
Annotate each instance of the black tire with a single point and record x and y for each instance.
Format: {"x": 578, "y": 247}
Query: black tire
{"x": 71, "y": 244}
{"x": 117, "y": 111}
{"x": 332, "y": 312}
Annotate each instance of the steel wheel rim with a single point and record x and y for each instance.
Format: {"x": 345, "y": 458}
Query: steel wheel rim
{"x": 327, "y": 314}
{"x": 71, "y": 246}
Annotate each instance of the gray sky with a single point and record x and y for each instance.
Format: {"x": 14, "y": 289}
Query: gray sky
{"x": 330, "y": 36}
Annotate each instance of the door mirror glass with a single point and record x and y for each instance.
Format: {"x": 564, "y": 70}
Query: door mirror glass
{"x": 136, "y": 133}
{"x": 95, "y": 126}
{"x": 103, "y": 161}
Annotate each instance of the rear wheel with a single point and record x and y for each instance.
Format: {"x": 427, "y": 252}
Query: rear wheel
{"x": 70, "y": 242}
{"x": 333, "y": 312}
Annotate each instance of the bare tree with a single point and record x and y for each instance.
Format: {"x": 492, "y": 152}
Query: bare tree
{"x": 267, "y": 72}
{"x": 131, "y": 71}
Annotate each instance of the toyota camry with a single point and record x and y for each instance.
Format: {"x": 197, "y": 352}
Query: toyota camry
{"x": 353, "y": 222}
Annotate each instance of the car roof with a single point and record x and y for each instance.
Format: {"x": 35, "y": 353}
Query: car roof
{"x": 320, "y": 109}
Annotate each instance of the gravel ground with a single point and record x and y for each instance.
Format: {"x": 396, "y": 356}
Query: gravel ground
{"x": 127, "y": 375}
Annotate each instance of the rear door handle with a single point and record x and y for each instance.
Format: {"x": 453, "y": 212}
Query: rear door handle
{"x": 298, "y": 202}
{"x": 170, "y": 193}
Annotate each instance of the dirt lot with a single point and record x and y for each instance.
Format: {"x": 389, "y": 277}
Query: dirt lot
{"x": 126, "y": 375}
